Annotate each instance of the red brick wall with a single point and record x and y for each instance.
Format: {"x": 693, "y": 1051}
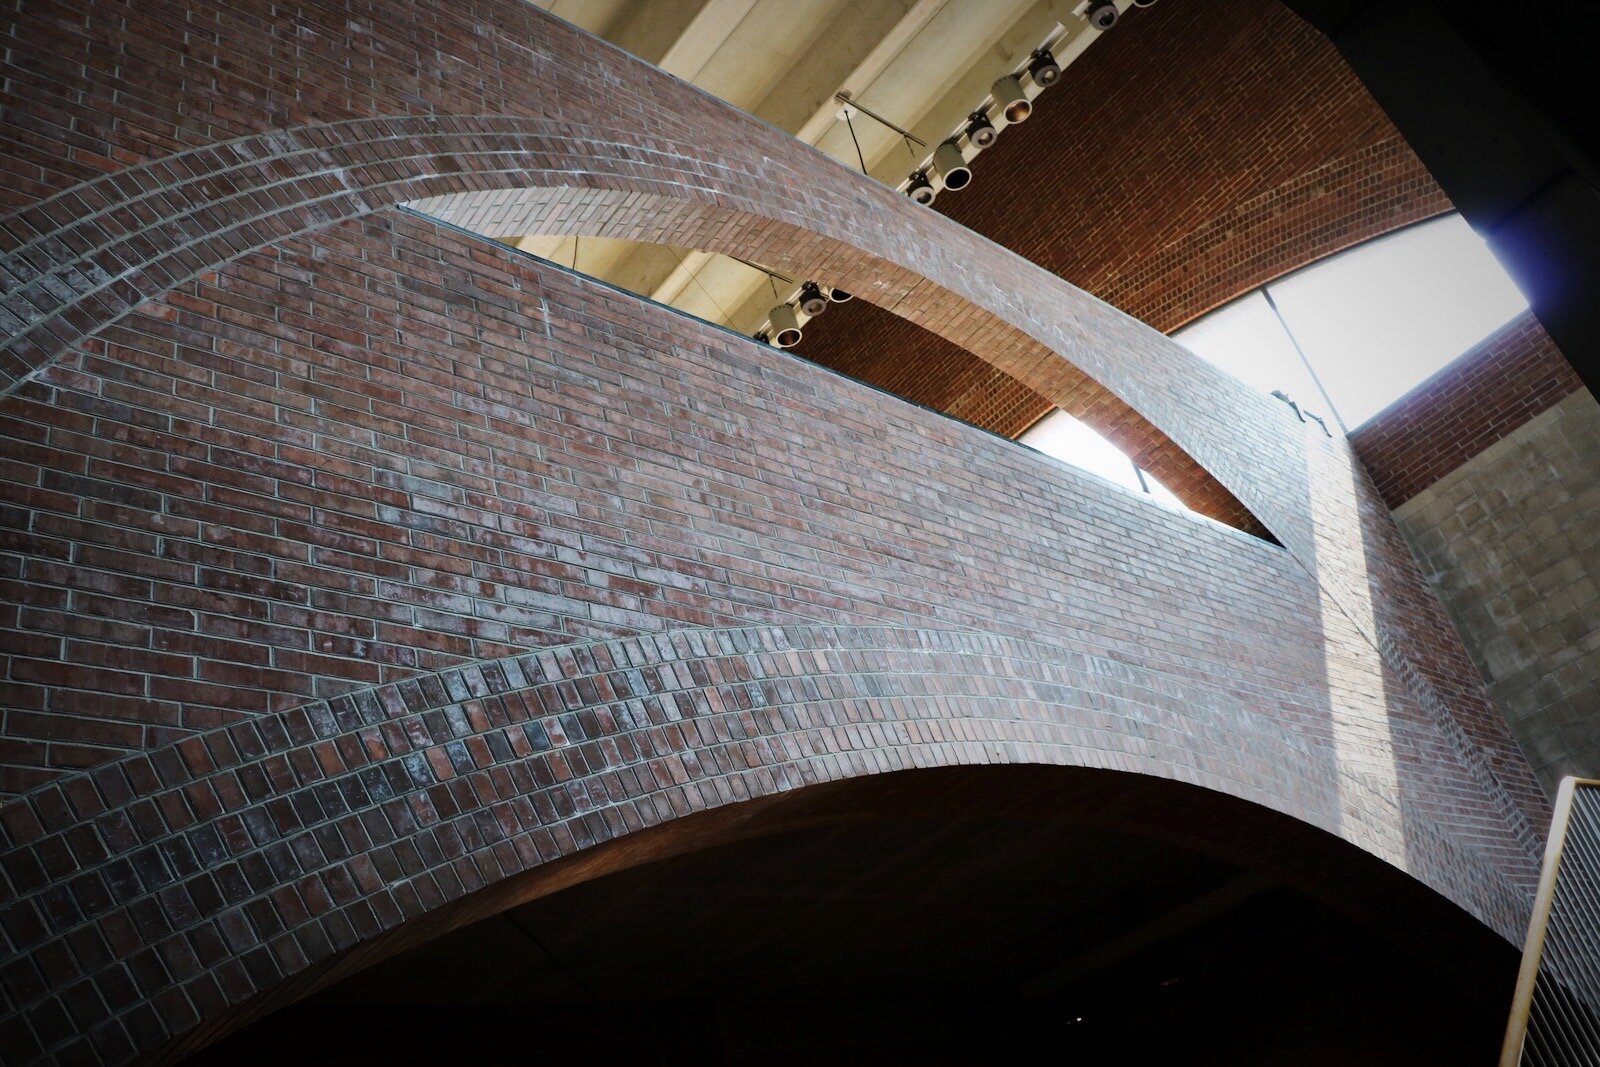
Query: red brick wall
{"x": 274, "y": 482}
{"x": 1192, "y": 154}
{"x": 1508, "y": 378}
{"x": 227, "y": 521}
{"x": 92, "y": 252}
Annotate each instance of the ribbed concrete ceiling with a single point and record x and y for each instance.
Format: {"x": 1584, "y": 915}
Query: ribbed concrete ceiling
{"x": 923, "y": 64}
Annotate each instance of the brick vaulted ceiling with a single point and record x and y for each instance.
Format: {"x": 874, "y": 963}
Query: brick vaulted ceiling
{"x": 1186, "y": 156}
{"x": 1196, "y": 151}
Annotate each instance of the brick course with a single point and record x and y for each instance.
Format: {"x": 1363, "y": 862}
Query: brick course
{"x": 1508, "y": 378}
{"x": 288, "y": 474}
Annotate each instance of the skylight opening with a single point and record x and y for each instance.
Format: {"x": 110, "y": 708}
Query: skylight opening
{"x": 1357, "y": 331}
{"x": 1063, "y": 437}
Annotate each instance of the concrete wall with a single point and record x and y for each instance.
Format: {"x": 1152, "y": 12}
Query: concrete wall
{"x": 1492, "y": 390}
{"x": 1511, "y": 540}
{"x": 1492, "y": 471}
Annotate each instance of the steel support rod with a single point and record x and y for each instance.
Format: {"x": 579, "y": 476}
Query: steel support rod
{"x": 844, "y": 98}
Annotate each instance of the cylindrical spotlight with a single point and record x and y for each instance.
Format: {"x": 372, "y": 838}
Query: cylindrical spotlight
{"x": 812, "y": 302}
{"x": 785, "y": 326}
{"x": 921, "y": 190}
{"x": 840, "y": 296}
{"x": 951, "y": 166}
{"x": 980, "y": 131}
{"x": 1102, "y": 14}
{"x": 760, "y": 337}
{"x": 1044, "y": 68}
{"x": 1014, "y": 103}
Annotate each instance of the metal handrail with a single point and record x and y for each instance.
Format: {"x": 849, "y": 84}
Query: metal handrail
{"x": 1554, "y": 1015}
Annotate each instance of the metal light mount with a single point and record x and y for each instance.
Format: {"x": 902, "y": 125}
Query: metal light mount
{"x": 1012, "y": 100}
{"x": 812, "y": 302}
{"x": 1044, "y": 69}
{"x": 980, "y": 130}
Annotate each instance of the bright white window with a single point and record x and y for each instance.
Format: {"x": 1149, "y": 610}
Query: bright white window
{"x": 1246, "y": 339}
{"x": 1374, "y": 322}
{"x": 1064, "y": 437}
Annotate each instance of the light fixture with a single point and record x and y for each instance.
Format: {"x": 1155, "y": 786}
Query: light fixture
{"x": 812, "y": 302}
{"x": 1102, "y": 14}
{"x": 785, "y": 326}
{"x": 951, "y": 166}
{"x": 760, "y": 337}
{"x": 1014, "y": 103}
{"x": 980, "y": 131}
{"x": 840, "y": 296}
{"x": 921, "y": 190}
{"x": 1044, "y": 68}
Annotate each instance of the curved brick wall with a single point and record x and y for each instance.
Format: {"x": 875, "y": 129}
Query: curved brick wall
{"x": 311, "y": 832}
{"x": 1193, "y": 154}
{"x": 531, "y": 466}
{"x": 134, "y": 236}
{"x": 368, "y": 452}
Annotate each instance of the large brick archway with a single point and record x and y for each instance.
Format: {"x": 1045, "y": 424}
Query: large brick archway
{"x": 92, "y": 246}
{"x": 266, "y": 857}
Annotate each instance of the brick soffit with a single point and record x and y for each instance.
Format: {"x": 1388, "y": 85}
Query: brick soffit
{"x": 484, "y": 772}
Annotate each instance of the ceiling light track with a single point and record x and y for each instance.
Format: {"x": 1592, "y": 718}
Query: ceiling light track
{"x": 1010, "y": 101}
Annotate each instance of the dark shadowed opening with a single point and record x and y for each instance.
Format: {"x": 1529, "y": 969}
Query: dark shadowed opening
{"x": 946, "y": 916}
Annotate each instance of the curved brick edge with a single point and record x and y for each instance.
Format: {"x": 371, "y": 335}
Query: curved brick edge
{"x": 1477, "y": 963}
{"x": 136, "y": 234}
{"x": 155, "y": 893}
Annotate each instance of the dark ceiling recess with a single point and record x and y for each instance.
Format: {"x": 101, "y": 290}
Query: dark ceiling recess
{"x": 1501, "y": 109}
{"x": 949, "y": 916}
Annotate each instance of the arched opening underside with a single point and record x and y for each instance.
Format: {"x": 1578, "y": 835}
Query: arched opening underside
{"x": 939, "y": 915}
{"x": 305, "y": 845}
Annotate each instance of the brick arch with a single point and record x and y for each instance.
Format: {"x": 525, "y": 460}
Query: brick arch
{"x": 175, "y": 891}
{"x": 165, "y": 222}
{"x": 86, "y": 256}
{"x": 900, "y": 292}
{"x": 1231, "y": 457}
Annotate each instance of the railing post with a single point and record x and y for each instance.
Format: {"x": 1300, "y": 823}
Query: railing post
{"x": 1533, "y": 951}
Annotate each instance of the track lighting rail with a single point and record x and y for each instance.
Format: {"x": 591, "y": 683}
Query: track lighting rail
{"x": 1010, "y": 101}
{"x": 844, "y": 97}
